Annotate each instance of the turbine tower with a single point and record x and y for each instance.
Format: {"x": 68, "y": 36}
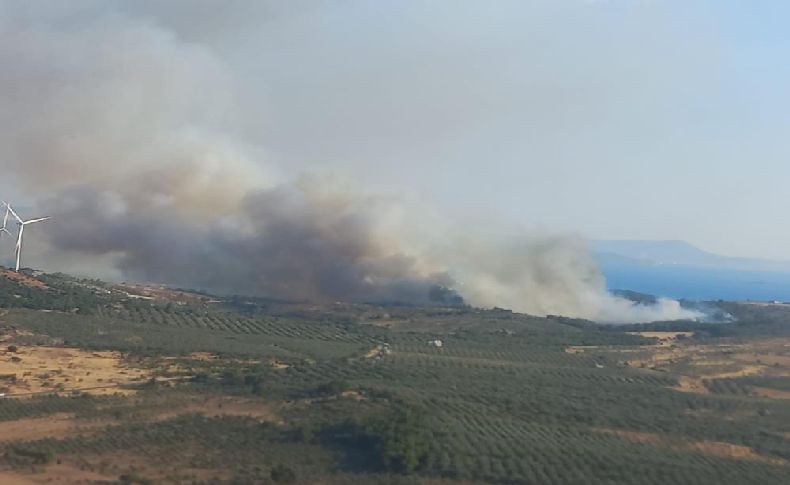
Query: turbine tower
{"x": 22, "y": 225}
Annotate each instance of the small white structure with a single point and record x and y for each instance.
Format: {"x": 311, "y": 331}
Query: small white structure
{"x": 436, "y": 343}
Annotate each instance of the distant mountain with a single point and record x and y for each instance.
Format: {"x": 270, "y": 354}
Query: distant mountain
{"x": 678, "y": 269}
{"x": 676, "y": 253}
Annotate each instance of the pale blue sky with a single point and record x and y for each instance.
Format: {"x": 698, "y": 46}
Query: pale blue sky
{"x": 615, "y": 119}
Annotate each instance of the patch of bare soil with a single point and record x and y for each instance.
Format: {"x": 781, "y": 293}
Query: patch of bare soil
{"x": 693, "y": 362}
{"x": 30, "y": 370}
{"x": 164, "y": 294}
{"x": 18, "y": 478}
{"x": 58, "y": 425}
{"x": 63, "y": 472}
{"x": 771, "y": 393}
{"x": 21, "y": 278}
{"x": 203, "y": 356}
{"x": 745, "y": 370}
{"x": 221, "y": 406}
{"x": 374, "y": 352}
{"x": 146, "y": 407}
{"x": 579, "y": 349}
{"x": 276, "y": 364}
{"x": 355, "y": 395}
{"x": 166, "y": 468}
{"x": 773, "y": 359}
{"x": 62, "y": 425}
{"x": 664, "y": 339}
{"x": 729, "y": 450}
{"x": 714, "y": 448}
{"x": 179, "y": 364}
{"x": 691, "y": 384}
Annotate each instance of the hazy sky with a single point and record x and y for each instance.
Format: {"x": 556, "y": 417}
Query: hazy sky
{"x": 615, "y": 119}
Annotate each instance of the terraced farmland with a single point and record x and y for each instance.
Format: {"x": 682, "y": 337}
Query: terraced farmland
{"x": 321, "y": 394}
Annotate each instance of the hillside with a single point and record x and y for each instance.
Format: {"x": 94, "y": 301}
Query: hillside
{"x": 679, "y": 270}
{"x": 677, "y": 253}
{"x": 132, "y": 384}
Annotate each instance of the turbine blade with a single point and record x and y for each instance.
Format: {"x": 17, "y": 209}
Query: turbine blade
{"x": 13, "y": 213}
{"x": 31, "y": 221}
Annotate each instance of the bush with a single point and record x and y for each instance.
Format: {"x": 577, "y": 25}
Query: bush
{"x": 332, "y": 388}
{"x": 24, "y": 455}
{"x": 282, "y": 474}
{"x": 402, "y": 439}
{"x": 395, "y": 441}
{"x": 134, "y": 479}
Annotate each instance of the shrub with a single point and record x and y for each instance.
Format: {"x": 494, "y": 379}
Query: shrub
{"x": 282, "y": 474}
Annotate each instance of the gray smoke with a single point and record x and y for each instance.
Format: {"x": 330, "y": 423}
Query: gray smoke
{"x": 127, "y": 135}
{"x": 287, "y": 241}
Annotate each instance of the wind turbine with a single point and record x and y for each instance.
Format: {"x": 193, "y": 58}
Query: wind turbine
{"x": 22, "y": 225}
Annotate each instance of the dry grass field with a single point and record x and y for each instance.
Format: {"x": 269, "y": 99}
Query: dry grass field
{"x": 29, "y": 370}
{"x": 694, "y": 364}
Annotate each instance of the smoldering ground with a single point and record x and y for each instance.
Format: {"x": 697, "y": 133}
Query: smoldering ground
{"x": 132, "y": 139}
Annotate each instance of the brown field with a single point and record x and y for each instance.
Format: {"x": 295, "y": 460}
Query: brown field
{"x": 58, "y": 425}
{"x": 779, "y": 359}
{"x": 32, "y": 370}
{"x": 57, "y": 473}
{"x": 714, "y": 448}
{"x": 692, "y": 363}
{"x": 21, "y": 278}
{"x": 106, "y": 468}
{"x": 61, "y": 425}
{"x": 771, "y": 393}
{"x": 665, "y": 339}
{"x": 216, "y": 406}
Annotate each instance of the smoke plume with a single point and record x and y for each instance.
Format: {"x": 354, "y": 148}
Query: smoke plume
{"x": 128, "y": 136}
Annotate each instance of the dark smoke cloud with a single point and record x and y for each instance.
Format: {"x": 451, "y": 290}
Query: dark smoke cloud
{"x": 124, "y": 132}
{"x": 282, "y": 242}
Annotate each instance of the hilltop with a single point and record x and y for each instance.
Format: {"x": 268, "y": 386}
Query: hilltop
{"x": 675, "y": 252}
